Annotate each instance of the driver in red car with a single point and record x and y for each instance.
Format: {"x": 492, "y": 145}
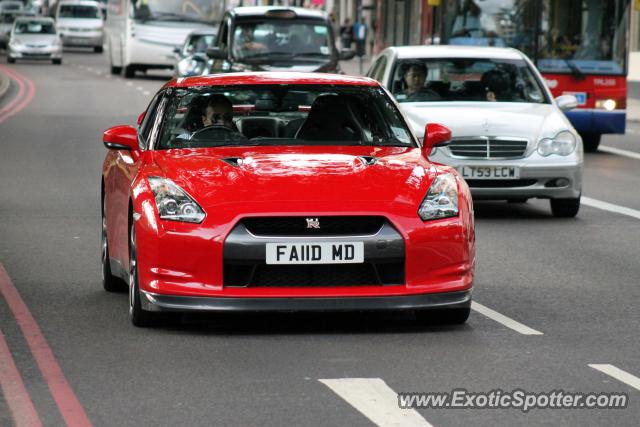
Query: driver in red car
{"x": 218, "y": 112}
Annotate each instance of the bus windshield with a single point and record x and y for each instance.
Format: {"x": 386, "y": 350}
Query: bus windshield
{"x": 206, "y": 11}
{"x": 562, "y": 36}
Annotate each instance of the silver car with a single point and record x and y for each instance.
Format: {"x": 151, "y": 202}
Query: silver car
{"x": 34, "y": 38}
{"x": 511, "y": 140}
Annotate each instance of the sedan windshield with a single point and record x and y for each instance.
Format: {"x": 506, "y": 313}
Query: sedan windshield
{"x": 35, "y": 27}
{"x": 282, "y": 115}
{"x": 466, "y": 79}
{"x": 79, "y": 11}
{"x": 281, "y": 39}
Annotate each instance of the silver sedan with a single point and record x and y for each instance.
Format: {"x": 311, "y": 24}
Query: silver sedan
{"x": 511, "y": 139}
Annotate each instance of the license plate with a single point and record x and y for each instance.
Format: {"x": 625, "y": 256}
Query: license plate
{"x": 580, "y": 96}
{"x": 490, "y": 172}
{"x": 315, "y": 253}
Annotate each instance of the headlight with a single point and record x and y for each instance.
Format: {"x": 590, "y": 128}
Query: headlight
{"x": 441, "y": 200}
{"x": 564, "y": 143}
{"x": 173, "y": 202}
{"x": 190, "y": 67}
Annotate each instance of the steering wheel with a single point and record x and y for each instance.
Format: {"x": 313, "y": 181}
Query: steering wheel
{"x": 197, "y": 134}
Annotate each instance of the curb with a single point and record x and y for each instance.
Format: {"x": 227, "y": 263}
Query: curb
{"x": 5, "y": 83}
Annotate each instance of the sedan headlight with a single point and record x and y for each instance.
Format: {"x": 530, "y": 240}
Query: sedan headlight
{"x": 173, "y": 202}
{"x": 441, "y": 200}
{"x": 563, "y": 144}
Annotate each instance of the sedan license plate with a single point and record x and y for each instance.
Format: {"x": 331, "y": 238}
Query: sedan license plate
{"x": 490, "y": 172}
{"x": 315, "y": 253}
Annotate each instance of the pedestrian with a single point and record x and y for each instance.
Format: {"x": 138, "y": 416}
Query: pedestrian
{"x": 346, "y": 34}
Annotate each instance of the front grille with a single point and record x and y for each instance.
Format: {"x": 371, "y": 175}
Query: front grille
{"x": 488, "y": 148}
{"x": 499, "y": 183}
{"x": 263, "y": 275}
{"x": 328, "y": 226}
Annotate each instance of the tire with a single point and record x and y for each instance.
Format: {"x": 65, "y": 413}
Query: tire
{"x": 98, "y": 49}
{"x": 565, "y": 208}
{"x": 116, "y": 70}
{"x": 138, "y": 316}
{"x": 57, "y": 61}
{"x": 11, "y": 60}
{"x": 129, "y": 71}
{"x": 591, "y": 142}
{"x": 110, "y": 283}
{"x": 443, "y": 316}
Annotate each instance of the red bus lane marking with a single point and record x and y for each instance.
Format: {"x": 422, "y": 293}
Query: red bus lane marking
{"x": 68, "y": 404}
{"x": 15, "y": 393}
{"x": 26, "y": 92}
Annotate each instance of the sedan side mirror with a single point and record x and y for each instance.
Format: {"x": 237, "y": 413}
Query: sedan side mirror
{"x": 177, "y": 50}
{"x": 216, "y": 53}
{"x": 435, "y": 135}
{"x": 140, "y": 118}
{"x": 346, "y": 54}
{"x": 121, "y": 138}
{"x": 566, "y": 102}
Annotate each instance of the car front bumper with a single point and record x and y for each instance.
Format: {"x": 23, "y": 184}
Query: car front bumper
{"x": 158, "y": 302}
{"x": 93, "y": 38}
{"x": 24, "y": 52}
{"x": 539, "y": 176}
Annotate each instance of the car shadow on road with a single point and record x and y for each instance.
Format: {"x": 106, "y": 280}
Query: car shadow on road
{"x": 491, "y": 210}
{"x": 303, "y": 324}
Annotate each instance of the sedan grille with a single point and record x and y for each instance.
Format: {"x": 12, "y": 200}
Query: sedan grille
{"x": 488, "y": 147}
{"x": 314, "y": 226}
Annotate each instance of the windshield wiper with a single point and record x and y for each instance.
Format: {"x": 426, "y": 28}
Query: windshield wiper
{"x": 575, "y": 71}
{"x": 309, "y": 54}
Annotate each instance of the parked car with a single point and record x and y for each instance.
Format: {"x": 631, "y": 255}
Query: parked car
{"x": 511, "y": 138}
{"x": 283, "y": 192}
{"x": 81, "y": 24}
{"x": 276, "y": 39}
{"x": 7, "y": 17}
{"x": 34, "y": 38}
{"x": 11, "y": 6}
{"x": 191, "y": 57}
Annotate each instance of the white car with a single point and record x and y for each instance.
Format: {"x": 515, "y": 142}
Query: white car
{"x": 81, "y": 23}
{"x": 511, "y": 140}
{"x": 34, "y": 38}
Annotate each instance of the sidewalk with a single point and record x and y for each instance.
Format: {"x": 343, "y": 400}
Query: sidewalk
{"x": 352, "y": 66}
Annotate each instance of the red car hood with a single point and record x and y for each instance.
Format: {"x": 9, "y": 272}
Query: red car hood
{"x": 301, "y": 178}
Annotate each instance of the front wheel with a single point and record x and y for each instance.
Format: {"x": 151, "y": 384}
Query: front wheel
{"x": 565, "y": 208}
{"x": 129, "y": 71}
{"x": 98, "y": 49}
{"x": 57, "y": 61}
{"x": 110, "y": 283}
{"x": 591, "y": 142}
{"x": 137, "y": 315}
{"x": 11, "y": 60}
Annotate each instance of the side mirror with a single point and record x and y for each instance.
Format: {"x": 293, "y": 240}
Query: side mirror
{"x": 435, "y": 135}
{"x": 216, "y": 53}
{"x": 566, "y": 102}
{"x": 346, "y": 54}
{"x": 176, "y": 50}
{"x": 121, "y": 138}
{"x": 140, "y": 118}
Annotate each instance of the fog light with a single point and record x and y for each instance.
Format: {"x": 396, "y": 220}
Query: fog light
{"x": 559, "y": 182}
{"x": 606, "y": 104}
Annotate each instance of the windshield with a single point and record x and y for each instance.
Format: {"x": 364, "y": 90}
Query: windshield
{"x": 79, "y": 11}
{"x": 282, "y": 115}
{"x": 206, "y": 11}
{"x": 34, "y": 27}
{"x": 565, "y": 36}
{"x": 281, "y": 39}
{"x": 464, "y": 79}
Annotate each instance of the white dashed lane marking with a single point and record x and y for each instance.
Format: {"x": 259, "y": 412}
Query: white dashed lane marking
{"x": 599, "y": 204}
{"x": 374, "y": 399}
{"x": 504, "y": 320}
{"x": 619, "y": 374}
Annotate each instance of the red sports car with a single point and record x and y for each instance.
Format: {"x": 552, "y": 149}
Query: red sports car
{"x": 283, "y": 192}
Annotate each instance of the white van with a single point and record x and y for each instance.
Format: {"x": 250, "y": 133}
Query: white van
{"x": 143, "y": 34}
{"x": 80, "y": 23}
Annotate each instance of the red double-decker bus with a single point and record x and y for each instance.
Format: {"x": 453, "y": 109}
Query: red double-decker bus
{"x": 580, "y": 46}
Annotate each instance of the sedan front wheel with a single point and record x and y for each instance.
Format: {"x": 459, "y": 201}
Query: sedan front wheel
{"x": 138, "y": 316}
